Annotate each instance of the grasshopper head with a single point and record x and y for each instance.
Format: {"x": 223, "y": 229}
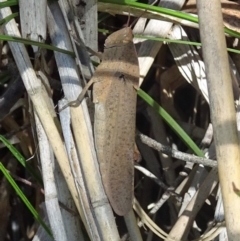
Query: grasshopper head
{"x": 120, "y": 37}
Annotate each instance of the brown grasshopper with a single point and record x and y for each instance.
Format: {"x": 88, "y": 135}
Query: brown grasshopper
{"x": 114, "y": 95}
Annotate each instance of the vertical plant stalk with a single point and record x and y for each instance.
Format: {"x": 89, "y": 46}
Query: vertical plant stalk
{"x": 33, "y": 20}
{"x": 51, "y": 196}
{"x": 81, "y": 127}
{"x": 222, "y": 109}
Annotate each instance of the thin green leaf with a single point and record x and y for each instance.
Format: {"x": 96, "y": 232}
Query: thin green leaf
{"x": 171, "y": 122}
{"x": 180, "y": 42}
{"x": 169, "y": 40}
{"x": 8, "y": 3}
{"x": 24, "y": 199}
{"x": 166, "y": 11}
{"x": 156, "y": 9}
{"x": 8, "y": 18}
{"x": 35, "y": 43}
{"x": 21, "y": 159}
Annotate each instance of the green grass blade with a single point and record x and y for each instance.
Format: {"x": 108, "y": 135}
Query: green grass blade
{"x": 8, "y": 3}
{"x": 21, "y": 159}
{"x": 35, "y": 43}
{"x": 24, "y": 198}
{"x": 8, "y": 18}
{"x": 180, "y": 42}
{"x": 170, "y": 40}
{"x": 156, "y": 9}
{"x": 166, "y": 11}
{"x": 171, "y": 122}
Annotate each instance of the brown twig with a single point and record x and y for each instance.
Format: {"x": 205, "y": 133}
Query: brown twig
{"x": 176, "y": 154}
